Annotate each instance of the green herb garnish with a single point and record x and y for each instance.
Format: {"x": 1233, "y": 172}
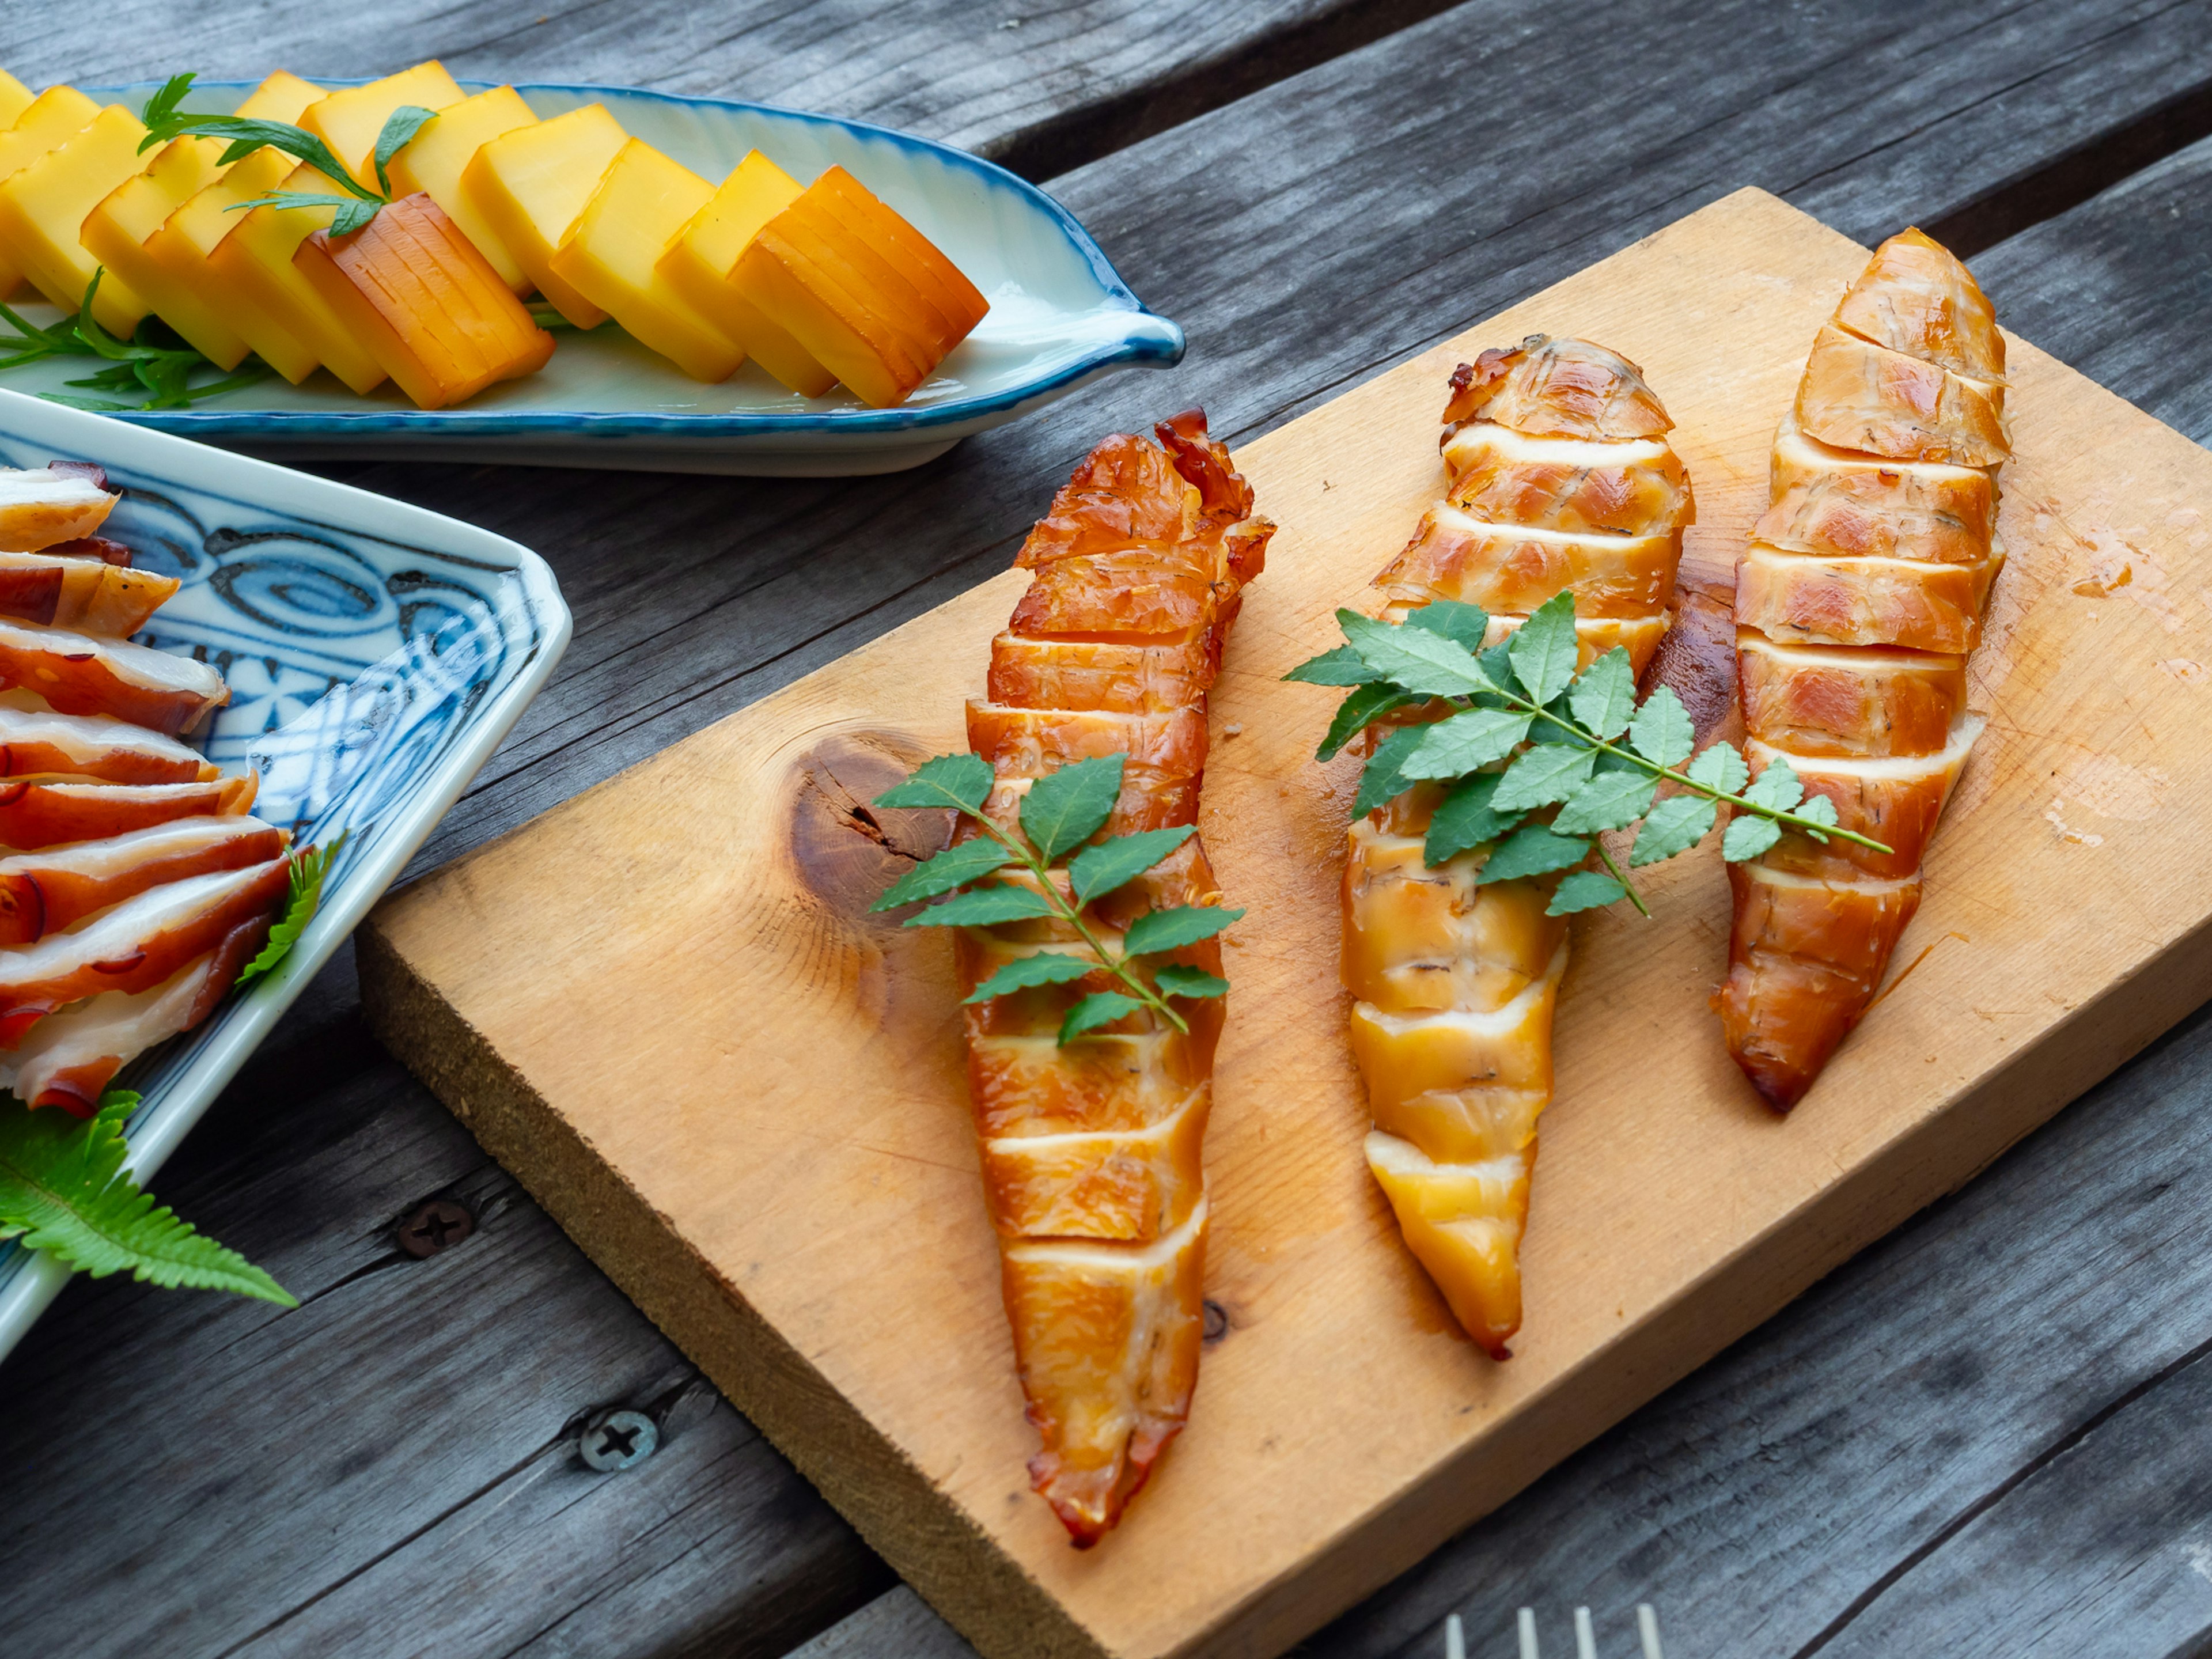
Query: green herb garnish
{"x": 307, "y": 896}
{"x": 64, "y": 1190}
{"x": 163, "y": 373}
{"x": 1059, "y": 815}
{"x": 1591, "y": 751}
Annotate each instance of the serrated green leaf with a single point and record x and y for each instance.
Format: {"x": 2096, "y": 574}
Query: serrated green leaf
{"x": 1541, "y": 775}
{"x": 1454, "y": 619}
{"x": 1065, "y": 809}
{"x": 1604, "y": 697}
{"x": 1532, "y": 850}
{"x": 63, "y": 1190}
{"x": 1412, "y": 659}
{"x": 1585, "y": 889}
{"x": 1342, "y": 667}
{"x": 962, "y": 782}
{"x": 1661, "y": 732}
{"x": 1465, "y": 818}
{"x": 1496, "y": 664}
{"x": 1177, "y": 981}
{"x": 1453, "y": 748}
{"x": 1611, "y": 800}
{"x": 1380, "y": 781}
{"x": 1819, "y": 808}
{"x": 1747, "y": 838}
{"x": 400, "y": 129}
{"x": 1675, "y": 825}
{"x": 1099, "y": 1008}
{"x": 1776, "y": 786}
{"x": 1543, "y": 649}
{"x": 1024, "y": 973}
{"x": 1170, "y": 930}
{"x": 1097, "y": 871}
{"x": 1560, "y": 728}
{"x": 983, "y": 907}
{"x": 1720, "y": 767}
{"x": 955, "y": 866}
{"x": 1364, "y": 704}
{"x": 306, "y": 897}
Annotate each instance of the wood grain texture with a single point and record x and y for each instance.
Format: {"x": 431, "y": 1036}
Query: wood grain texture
{"x": 729, "y": 1159}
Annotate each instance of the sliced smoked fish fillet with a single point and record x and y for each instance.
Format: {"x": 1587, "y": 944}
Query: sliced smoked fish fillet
{"x": 1091, "y": 1149}
{"x": 1857, "y": 605}
{"x": 43, "y": 892}
{"x": 85, "y": 674}
{"x": 71, "y": 585}
{"x": 94, "y": 746}
{"x": 36, "y": 812}
{"x": 1560, "y": 478}
{"x": 40, "y": 505}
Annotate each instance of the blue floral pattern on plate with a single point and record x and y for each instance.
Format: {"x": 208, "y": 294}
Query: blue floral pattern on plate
{"x": 376, "y": 655}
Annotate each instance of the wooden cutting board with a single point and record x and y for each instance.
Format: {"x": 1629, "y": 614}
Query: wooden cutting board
{"x": 664, "y": 1007}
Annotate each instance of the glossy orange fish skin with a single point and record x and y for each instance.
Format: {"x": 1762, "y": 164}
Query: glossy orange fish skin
{"x": 1091, "y": 1148}
{"x": 1857, "y": 605}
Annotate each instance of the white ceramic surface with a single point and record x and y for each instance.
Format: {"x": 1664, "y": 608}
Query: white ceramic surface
{"x": 1060, "y": 318}
{"x": 376, "y": 652}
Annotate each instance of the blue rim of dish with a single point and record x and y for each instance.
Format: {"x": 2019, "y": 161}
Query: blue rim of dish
{"x": 1164, "y": 347}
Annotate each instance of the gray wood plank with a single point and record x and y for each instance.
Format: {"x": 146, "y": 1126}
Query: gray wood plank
{"x": 1039, "y": 85}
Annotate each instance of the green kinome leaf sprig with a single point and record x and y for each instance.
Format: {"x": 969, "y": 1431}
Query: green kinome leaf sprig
{"x": 1059, "y": 815}
{"x": 163, "y": 373}
{"x": 1591, "y": 751}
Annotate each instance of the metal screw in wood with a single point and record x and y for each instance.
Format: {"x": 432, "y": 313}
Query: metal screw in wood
{"x": 437, "y": 1226}
{"x": 616, "y": 1440}
{"x": 1647, "y": 1631}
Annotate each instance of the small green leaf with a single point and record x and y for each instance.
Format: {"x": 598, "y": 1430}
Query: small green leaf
{"x": 1453, "y": 748}
{"x": 1720, "y": 767}
{"x": 1065, "y": 809}
{"x": 1468, "y": 623}
{"x": 248, "y": 136}
{"x": 1541, "y": 775}
{"x": 1170, "y": 930}
{"x": 64, "y": 1190}
{"x": 1381, "y": 780}
{"x": 1585, "y": 889}
{"x": 1611, "y": 800}
{"x": 1497, "y": 665}
{"x": 1099, "y": 1008}
{"x": 982, "y": 906}
{"x": 955, "y": 866}
{"x": 1532, "y": 850}
{"x": 1605, "y": 696}
{"x": 163, "y": 105}
{"x": 399, "y": 128}
{"x": 352, "y": 216}
{"x": 1342, "y": 667}
{"x": 1366, "y": 703}
{"x": 1467, "y": 818}
{"x": 1675, "y": 825}
{"x": 1821, "y": 809}
{"x": 1661, "y": 732}
{"x": 1775, "y": 787}
{"x": 1543, "y": 649}
{"x": 1097, "y": 870}
{"x": 1415, "y": 659}
{"x": 306, "y": 897}
{"x": 1023, "y": 973}
{"x": 1747, "y": 838}
{"x": 1177, "y": 981}
{"x": 962, "y": 782}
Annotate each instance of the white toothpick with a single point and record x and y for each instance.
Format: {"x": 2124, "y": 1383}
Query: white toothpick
{"x": 1647, "y": 1626}
{"x": 1454, "y": 1638}
{"x": 1528, "y": 1634}
{"x": 1585, "y": 1637}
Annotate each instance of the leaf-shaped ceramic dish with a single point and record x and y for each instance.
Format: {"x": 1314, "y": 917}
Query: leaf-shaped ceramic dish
{"x": 376, "y": 655}
{"x": 1059, "y": 317}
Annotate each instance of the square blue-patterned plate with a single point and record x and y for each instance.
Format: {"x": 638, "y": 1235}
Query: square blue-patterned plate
{"x": 376, "y": 654}
{"x": 1060, "y": 318}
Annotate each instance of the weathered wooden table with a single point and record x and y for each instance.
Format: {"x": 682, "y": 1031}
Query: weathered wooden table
{"x": 1984, "y": 1437}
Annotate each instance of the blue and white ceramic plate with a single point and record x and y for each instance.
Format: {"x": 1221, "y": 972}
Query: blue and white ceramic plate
{"x": 1060, "y": 318}
{"x": 376, "y": 654}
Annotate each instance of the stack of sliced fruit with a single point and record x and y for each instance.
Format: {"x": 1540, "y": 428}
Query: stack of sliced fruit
{"x": 393, "y": 231}
{"x": 135, "y": 887}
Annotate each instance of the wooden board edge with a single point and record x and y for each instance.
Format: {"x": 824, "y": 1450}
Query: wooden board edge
{"x": 953, "y": 1564}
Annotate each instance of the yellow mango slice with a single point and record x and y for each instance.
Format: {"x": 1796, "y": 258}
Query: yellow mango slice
{"x": 612, "y": 257}
{"x": 187, "y": 239}
{"x": 43, "y": 207}
{"x": 255, "y": 261}
{"x": 39, "y": 126}
{"x": 432, "y": 163}
{"x": 426, "y": 302}
{"x": 350, "y": 121}
{"x": 120, "y": 231}
{"x": 698, "y": 264}
{"x": 530, "y": 186}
